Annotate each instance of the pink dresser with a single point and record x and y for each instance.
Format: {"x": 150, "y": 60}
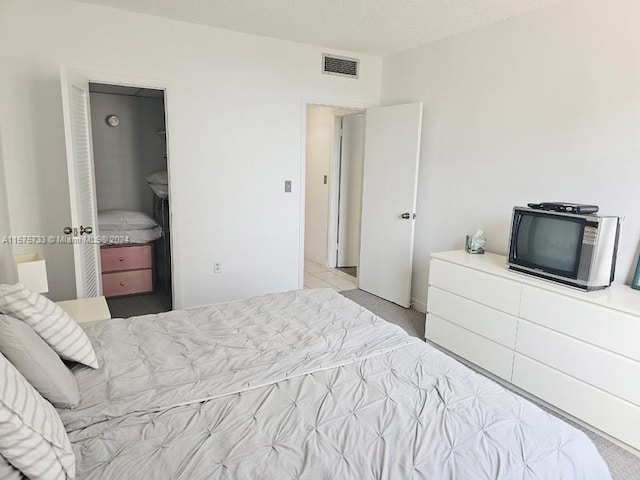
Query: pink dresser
{"x": 127, "y": 270}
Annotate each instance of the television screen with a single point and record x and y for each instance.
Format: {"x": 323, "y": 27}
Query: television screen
{"x": 549, "y": 242}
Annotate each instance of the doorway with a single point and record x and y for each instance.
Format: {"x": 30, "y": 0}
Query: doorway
{"x": 388, "y": 201}
{"x": 333, "y": 192}
{"x": 132, "y": 197}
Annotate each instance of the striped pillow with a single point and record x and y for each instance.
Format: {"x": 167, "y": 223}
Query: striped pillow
{"x": 52, "y": 323}
{"x": 38, "y": 363}
{"x": 32, "y": 437}
{"x": 7, "y": 472}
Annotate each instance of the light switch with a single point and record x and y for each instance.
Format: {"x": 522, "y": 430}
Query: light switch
{"x": 287, "y": 186}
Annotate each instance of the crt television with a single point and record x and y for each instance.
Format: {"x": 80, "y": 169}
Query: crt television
{"x": 572, "y": 249}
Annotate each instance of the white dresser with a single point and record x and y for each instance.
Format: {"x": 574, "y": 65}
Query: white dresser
{"x": 577, "y": 351}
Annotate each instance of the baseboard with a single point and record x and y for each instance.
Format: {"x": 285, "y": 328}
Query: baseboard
{"x": 418, "y": 305}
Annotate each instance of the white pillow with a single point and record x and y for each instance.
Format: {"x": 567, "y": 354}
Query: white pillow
{"x": 125, "y": 220}
{"x": 8, "y": 472}
{"x": 161, "y": 178}
{"x": 52, "y": 323}
{"x": 32, "y": 437}
{"x": 38, "y": 363}
{"x": 160, "y": 189}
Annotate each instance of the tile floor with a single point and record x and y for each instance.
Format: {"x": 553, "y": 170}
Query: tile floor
{"x": 319, "y": 276}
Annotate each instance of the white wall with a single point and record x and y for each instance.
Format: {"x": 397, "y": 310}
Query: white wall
{"x": 235, "y": 111}
{"x": 7, "y": 264}
{"x": 542, "y": 107}
{"x": 320, "y": 151}
{"x": 125, "y": 154}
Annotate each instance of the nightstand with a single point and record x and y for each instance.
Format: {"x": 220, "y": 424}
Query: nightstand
{"x": 87, "y": 309}
{"x": 127, "y": 270}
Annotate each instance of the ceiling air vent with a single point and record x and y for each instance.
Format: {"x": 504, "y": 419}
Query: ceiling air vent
{"x": 343, "y": 66}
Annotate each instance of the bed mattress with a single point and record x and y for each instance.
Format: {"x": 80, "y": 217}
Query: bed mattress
{"x": 302, "y": 385}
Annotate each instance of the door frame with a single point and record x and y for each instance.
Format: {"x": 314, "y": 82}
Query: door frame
{"x": 333, "y": 184}
{"x": 109, "y": 78}
{"x": 335, "y": 191}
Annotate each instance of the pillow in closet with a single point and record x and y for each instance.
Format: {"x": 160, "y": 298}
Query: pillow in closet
{"x": 162, "y": 191}
{"x": 159, "y": 178}
{"x": 52, "y": 323}
{"x": 125, "y": 220}
{"x": 38, "y": 363}
{"x": 32, "y": 437}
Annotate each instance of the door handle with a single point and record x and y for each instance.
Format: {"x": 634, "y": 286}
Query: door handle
{"x": 407, "y": 215}
{"x": 83, "y": 230}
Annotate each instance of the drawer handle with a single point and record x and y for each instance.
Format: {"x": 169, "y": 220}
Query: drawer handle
{"x": 122, "y": 284}
{"x": 121, "y": 259}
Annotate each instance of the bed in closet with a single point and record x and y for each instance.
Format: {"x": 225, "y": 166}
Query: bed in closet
{"x": 301, "y": 385}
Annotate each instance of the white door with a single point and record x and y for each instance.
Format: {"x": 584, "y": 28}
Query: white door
{"x": 82, "y": 191}
{"x": 350, "y": 196}
{"x": 392, "y": 152}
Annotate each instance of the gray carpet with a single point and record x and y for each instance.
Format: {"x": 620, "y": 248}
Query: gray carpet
{"x": 125, "y": 307}
{"x": 623, "y": 465}
{"x": 411, "y": 320}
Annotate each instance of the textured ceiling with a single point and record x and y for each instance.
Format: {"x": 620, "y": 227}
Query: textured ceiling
{"x": 377, "y": 27}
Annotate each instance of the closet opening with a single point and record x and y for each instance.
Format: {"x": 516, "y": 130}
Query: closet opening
{"x": 128, "y": 129}
{"x": 333, "y": 196}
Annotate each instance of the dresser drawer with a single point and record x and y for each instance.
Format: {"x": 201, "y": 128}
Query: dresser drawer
{"x": 488, "y": 322}
{"x": 491, "y": 290}
{"x": 607, "y": 328}
{"x": 596, "y": 407}
{"x": 132, "y": 257}
{"x": 595, "y": 366}
{"x": 484, "y": 353}
{"x": 127, "y": 283}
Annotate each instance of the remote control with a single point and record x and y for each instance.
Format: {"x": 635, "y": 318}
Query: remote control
{"x": 576, "y": 208}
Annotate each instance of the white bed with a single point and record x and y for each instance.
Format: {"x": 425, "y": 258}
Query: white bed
{"x": 302, "y": 385}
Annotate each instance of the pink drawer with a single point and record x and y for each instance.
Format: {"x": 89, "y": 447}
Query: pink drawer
{"x": 132, "y": 257}
{"x": 127, "y": 283}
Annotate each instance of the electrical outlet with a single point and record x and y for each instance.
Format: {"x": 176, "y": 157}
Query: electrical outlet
{"x": 217, "y": 267}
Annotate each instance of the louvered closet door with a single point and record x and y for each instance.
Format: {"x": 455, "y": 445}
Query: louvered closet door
{"x": 82, "y": 191}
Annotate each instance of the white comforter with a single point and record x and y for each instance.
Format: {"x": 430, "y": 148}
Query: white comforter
{"x": 302, "y": 385}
